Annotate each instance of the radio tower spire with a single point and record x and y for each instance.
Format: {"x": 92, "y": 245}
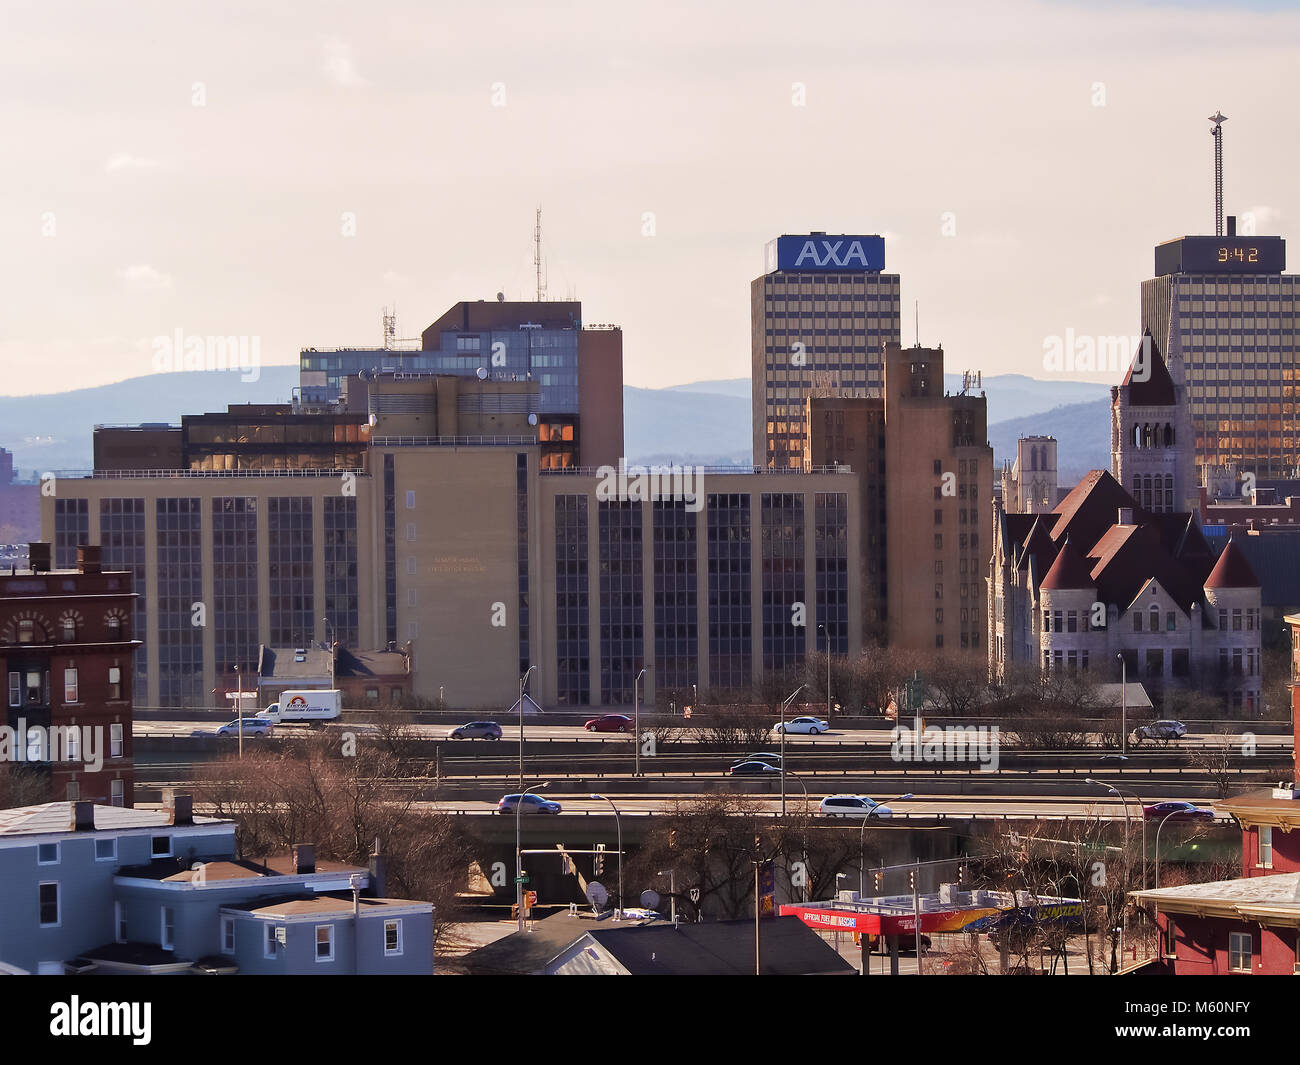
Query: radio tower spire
{"x": 1218, "y": 118}
{"x": 537, "y": 256}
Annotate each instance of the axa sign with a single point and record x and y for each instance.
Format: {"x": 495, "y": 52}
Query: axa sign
{"x": 817, "y": 251}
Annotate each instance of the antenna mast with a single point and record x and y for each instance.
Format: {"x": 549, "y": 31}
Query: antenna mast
{"x": 537, "y": 256}
{"x": 390, "y": 326}
{"x": 1218, "y": 118}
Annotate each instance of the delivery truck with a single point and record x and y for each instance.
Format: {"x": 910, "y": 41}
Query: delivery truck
{"x": 317, "y": 705}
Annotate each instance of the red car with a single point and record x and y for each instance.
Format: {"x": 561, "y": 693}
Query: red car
{"x": 609, "y": 723}
{"x": 1177, "y": 811}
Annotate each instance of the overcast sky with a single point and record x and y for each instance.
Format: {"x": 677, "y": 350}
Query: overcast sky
{"x": 194, "y": 166}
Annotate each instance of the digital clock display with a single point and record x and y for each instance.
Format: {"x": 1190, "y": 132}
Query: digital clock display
{"x": 1221, "y": 255}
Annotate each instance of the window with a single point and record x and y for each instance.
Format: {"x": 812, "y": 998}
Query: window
{"x": 106, "y": 849}
{"x": 69, "y": 629}
{"x": 162, "y": 846}
{"x": 71, "y": 745}
{"x": 938, "y": 591}
{"x": 268, "y": 947}
{"x": 69, "y": 685}
{"x": 113, "y": 625}
{"x": 410, "y": 530}
{"x": 227, "y": 935}
{"x": 1236, "y": 619}
{"x": 410, "y": 500}
{"x": 1239, "y": 952}
{"x": 47, "y": 854}
{"x": 119, "y": 922}
{"x": 938, "y": 516}
{"x": 115, "y": 741}
{"x": 392, "y": 937}
{"x": 114, "y": 682}
{"x": 938, "y": 541}
{"x": 1137, "y": 621}
{"x": 117, "y": 790}
{"x": 1171, "y": 622}
{"x": 15, "y": 689}
{"x": 324, "y": 942}
{"x": 73, "y": 791}
{"x": 49, "y": 899}
{"x": 1265, "y": 858}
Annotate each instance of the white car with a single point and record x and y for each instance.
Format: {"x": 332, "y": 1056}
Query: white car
{"x": 810, "y": 726}
{"x": 853, "y": 806}
{"x": 252, "y": 727}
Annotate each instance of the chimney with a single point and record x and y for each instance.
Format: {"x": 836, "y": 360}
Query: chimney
{"x": 90, "y": 558}
{"x": 182, "y": 807}
{"x": 304, "y": 858}
{"x": 378, "y": 873}
{"x": 1126, "y": 515}
{"x": 39, "y": 556}
{"x": 83, "y": 817}
{"x": 1232, "y": 225}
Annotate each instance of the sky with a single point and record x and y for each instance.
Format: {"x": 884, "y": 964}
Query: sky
{"x": 284, "y": 172}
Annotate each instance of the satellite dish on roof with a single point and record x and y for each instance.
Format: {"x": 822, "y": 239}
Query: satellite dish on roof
{"x": 650, "y": 899}
{"x": 532, "y": 419}
{"x": 596, "y": 894}
{"x": 482, "y": 373}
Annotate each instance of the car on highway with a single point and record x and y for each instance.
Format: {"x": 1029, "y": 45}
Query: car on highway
{"x": 752, "y": 769}
{"x": 1160, "y": 730}
{"x": 807, "y": 726}
{"x": 1177, "y": 811}
{"x": 853, "y": 806}
{"x": 761, "y": 756}
{"x": 252, "y": 727}
{"x": 609, "y": 723}
{"x": 476, "y": 730}
{"x": 527, "y": 804}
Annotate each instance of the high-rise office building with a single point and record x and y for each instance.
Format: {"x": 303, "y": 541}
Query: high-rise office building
{"x": 578, "y": 368}
{"x": 820, "y": 316}
{"x": 1223, "y": 307}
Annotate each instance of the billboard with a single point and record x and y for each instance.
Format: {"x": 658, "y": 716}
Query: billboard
{"x": 822, "y": 251}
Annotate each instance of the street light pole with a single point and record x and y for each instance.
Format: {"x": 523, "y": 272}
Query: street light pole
{"x": 785, "y": 706}
{"x": 1124, "y": 799}
{"x": 636, "y": 721}
{"x": 862, "y": 843}
{"x": 672, "y": 891}
{"x": 1123, "y": 704}
{"x": 519, "y": 873}
{"x": 828, "y": 671}
{"x": 1158, "y": 828}
{"x": 804, "y": 832}
{"x": 523, "y": 683}
{"x": 618, "y": 825}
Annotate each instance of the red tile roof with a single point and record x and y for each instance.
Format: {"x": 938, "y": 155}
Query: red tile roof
{"x": 1232, "y": 570}
{"x": 1068, "y": 571}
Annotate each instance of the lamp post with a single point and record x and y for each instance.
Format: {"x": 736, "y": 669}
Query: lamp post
{"x": 618, "y": 825}
{"x": 804, "y": 832}
{"x": 1123, "y": 704}
{"x": 329, "y": 625}
{"x": 1158, "y": 828}
{"x": 824, "y": 629}
{"x": 671, "y": 874}
{"x": 636, "y": 727}
{"x": 519, "y": 872}
{"x": 784, "y": 707}
{"x": 523, "y": 683}
{"x": 862, "y": 843}
{"x": 1124, "y": 798}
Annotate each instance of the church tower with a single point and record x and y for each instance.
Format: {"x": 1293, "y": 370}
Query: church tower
{"x": 1151, "y": 443}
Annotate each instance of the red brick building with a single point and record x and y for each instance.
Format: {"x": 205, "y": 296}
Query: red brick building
{"x": 1250, "y": 925}
{"x": 66, "y": 646}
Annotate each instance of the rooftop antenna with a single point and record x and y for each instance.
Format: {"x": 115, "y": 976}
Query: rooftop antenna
{"x": 537, "y": 256}
{"x": 390, "y": 326}
{"x": 1218, "y": 118}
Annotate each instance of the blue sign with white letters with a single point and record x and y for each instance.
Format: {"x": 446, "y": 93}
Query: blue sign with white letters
{"x": 821, "y": 251}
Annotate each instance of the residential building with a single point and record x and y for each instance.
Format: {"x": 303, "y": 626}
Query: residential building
{"x": 820, "y": 317}
{"x": 91, "y": 888}
{"x": 66, "y": 644}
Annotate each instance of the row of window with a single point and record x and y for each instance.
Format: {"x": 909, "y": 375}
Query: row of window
{"x": 31, "y": 687}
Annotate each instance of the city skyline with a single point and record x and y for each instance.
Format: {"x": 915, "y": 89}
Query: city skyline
{"x": 226, "y": 172}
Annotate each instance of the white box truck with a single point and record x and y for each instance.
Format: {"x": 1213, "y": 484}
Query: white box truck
{"x": 317, "y": 705}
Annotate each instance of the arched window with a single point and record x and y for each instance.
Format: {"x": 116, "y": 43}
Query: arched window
{"x": 1169, "y": 492}
{"x": 1169, "y": 435}
{"x": 113, "y": 624}
{"x": 1136, "y": 435}
{"x": 68, "y": 627}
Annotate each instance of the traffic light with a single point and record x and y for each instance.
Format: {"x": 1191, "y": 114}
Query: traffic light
{"x": 961, "y": 875}
{"x": 880, "y": 879}
{"x": 598, "y": 864}
{"x": 911, "y": 879}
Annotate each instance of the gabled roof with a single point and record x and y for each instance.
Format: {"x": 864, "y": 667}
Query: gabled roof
{"x": 1156, "y": 387}
{"x": 1232, "y": 570}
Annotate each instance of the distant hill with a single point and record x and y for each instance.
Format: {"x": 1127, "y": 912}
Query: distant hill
{"x": 707, "y": 422}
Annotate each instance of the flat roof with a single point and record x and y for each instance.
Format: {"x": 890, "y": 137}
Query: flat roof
{"x": 57, "y": 818}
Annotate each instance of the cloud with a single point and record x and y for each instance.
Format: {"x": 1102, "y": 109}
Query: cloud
{"x": 338, "y": 64}
{"x": 145, "y": 278}
{"x": 125, "y": 161}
